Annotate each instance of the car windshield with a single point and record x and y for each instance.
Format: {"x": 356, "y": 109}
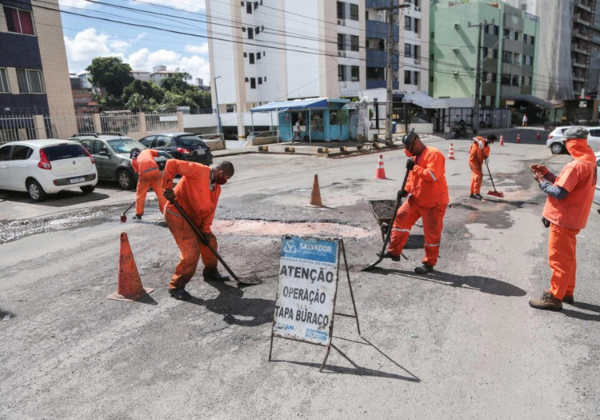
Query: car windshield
{"x": 125, "y": 144}
{"x": 191, "y": 141}
{"x": 64, "y": 151}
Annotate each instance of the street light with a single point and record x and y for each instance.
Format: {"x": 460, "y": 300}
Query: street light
{"x": 217, "y": 100}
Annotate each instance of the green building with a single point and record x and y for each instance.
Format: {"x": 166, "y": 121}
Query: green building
{"x": 510, "y": 40}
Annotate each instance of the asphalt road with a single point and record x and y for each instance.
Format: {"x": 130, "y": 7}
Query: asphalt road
{"x": 459, "y": 343}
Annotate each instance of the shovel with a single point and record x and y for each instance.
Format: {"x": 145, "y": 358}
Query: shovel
{"x": 389, "y": 231}
{"x": 123, "y": 217}
{"x": 495, "y": 193}
{"x": 250, "y": 281}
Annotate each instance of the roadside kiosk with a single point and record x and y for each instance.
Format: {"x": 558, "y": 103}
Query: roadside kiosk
{"x": 323, "y": 119}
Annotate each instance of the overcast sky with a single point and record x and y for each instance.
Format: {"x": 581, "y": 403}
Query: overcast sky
{"x": 143, "y": 48}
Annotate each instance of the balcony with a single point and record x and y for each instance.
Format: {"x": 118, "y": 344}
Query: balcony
{"x": 584, "y": 6}
{"x": 579, "y": 64}
{"x": 580, "y": 49}
{"x": 377, "y": 84}
{"x": 378, "y": 58}
{"x": 379, "y": 30}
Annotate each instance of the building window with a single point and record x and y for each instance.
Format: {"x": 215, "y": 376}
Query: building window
{"x": 515, "y": 80}
{"x": 341, "y": 42}
{"x": 340, "y": 10}
{"x": 230, "y": 107}
{"x": 260, "y": 80}
{"x": 407, "y": 77}
{"x": 354, "y": 42}
{"x": 416, "y": 27}
{"x": 484, "y": 52}
{"x": 245, "y": 55}
{"x": 251, "y": 58}
{"x": 505, "y": 80}
{"x": 4, "y": 86}
{"x": 524, "y": 38}
{"x": 486, "y": 29}
{"x": 248, "y": 7}
{"x": 523, "y": 59}
{"x": 30, "y": 81}
{"x": 18, "y": 21}
{"x": 341, "y": 73}
{"x": 531, "y": 61}
{"x": 354, "y": 11}
{"x": 415, "y": 78}
{"x": 507, "y": 56}
{"x": 496, "y": 29}
{"x": 495, "y": 54}
{"x": 355, "y": 73}
{"x": 515, "y": 36}
{"x": 265, "y": 79}
{"x": 506, "y": 33}
{"x": 250, "y": 33}
{"x": 258, "y": 56}
{"x": 407, "y": 50}
{"x": 532, "y": 40}
{"x": 252, "y": 83}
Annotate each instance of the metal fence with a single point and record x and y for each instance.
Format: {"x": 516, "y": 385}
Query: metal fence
{"x": 16, "y": 127}
{"x": 120, "y": 122}
{"x": 162, "y": 122}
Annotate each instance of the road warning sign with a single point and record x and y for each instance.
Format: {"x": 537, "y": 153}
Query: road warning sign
{"x": 307, "y": 290}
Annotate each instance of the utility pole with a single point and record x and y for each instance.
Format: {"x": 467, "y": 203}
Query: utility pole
{"x": 391, "y": 50}
{"x": 217, "y": 100}
{"x": 479, "y": 27}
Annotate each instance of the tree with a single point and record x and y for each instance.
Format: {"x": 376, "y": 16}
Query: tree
{"x": 177, "y": 82}
{"x": 110, "y": 74}
{"x": 147, "y": 90}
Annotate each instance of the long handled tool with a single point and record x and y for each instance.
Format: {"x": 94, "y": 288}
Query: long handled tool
{"x": 123, "y": 217}
{"x": 248, "y": 281}
{"x": 495, "y": 193}
{"x": 389, "y": 231}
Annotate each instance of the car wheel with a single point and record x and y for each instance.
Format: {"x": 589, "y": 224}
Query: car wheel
{"x": 125, "y": 179}
{"x": 35, "y": 191}
{"x": 88, "y": 189}
{"x": 557, "y": 148}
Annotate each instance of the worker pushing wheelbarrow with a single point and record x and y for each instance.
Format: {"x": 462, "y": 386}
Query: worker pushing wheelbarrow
{"x": 426, "y": 190}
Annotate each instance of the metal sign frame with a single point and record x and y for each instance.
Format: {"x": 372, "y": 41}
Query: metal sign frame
{"x": 342, "y": 250}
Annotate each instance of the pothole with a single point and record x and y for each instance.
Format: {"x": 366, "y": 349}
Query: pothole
{"x": 264, "y": 228}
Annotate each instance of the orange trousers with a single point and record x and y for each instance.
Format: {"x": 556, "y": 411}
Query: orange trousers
{"x": 191, "y": 249}
{"x": 562, "y": 244}
{"x": 476, "y": 178}
{"x": 433, "y": 223}
{"x": 145, "y": 181}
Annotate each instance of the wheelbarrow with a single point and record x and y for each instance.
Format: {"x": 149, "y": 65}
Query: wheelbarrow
{"x": 383, "y": 210}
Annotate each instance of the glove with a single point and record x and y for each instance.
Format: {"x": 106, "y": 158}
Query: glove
{"x": 401, "y": 194}
{"x": 410, "y": 164}
{"x": 169, "y": 195}
{"x": 540, "y": 168}
{"x": 204, "y": 239}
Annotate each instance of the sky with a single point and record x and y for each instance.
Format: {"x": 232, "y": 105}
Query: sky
{"x": 87, "y": 37}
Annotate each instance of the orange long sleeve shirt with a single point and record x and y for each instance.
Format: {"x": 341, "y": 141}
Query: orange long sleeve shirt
{"x": 193, "y": 191}
{"x": 145, "y": 161}
{"x": 478, "y": 152}
{"x": 427, "y": 181}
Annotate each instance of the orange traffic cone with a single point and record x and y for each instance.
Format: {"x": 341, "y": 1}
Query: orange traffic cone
{"x": 380, "y": 174}
{"x": 315, "y": 195}
{"x": 518, "y": 138}
{"x": 129, "y": 284}
{"x": 451, "y": 152}
{"x": 501, "y": 140}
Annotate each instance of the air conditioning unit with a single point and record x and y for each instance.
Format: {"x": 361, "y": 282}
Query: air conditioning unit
{"x": 342, "y": 22}
{"x": 417, "y": 9}
{"x": 341, "y": 53}
{"x": 455, "y": 73}
{"x": 455, "y": 50}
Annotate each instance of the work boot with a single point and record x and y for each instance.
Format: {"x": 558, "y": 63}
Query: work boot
{"x": 570, "y": 299}
{"x": 180, "y": 294}
{"x": 424, "y": 269}
{"x": 548, "y": 301}
{"x": 214, "y": 275}
{"x": 476, "y": 196}
{"x": 137, "y": 217}
{"x": 388, "y": 254}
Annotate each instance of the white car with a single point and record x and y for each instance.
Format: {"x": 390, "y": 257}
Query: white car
{"x": 42, "y": 167}
{"x": 597, "y": 192}
{"x": 556, "y": 141}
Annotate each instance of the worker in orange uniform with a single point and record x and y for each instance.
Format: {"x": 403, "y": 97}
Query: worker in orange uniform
{"x": 428, "y": 200}
{"x": 148, "y": 176}
{"x": 567, "y": 208}
{"x": 197, "y": 193}
{"x": 478, "y": 153}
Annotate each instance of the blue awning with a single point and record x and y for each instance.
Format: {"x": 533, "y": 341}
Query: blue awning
{"x": 322, "y": 103}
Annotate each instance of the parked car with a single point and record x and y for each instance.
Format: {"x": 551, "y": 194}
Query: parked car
{"x": 42, "y": 167}
{"x": 184, "y": 146}
{"x": 556, "y": 141}
{"x": 597, "y": 192}
{"x": 111, "y": 152}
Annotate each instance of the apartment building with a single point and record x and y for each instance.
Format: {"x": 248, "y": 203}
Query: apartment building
{"x": 510, "y": 43}
{"x": 276, "y": 50}
{"x": 34, "y": 75}
{"x": 569, "y": 59}
{"x": 144, "y": 76}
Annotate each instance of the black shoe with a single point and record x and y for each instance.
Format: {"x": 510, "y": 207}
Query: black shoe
{"x": 388, "y": 254}
{"x": 476, "y": 196}
{"x": 424, "y": 269}
{"x": 569, "y": 299}
{"x": 180, "y": 294}
{"x": 215, "y": 276}
{"x": 136, "y": 217}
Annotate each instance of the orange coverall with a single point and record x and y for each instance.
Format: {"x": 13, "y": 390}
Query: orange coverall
{"x": 148, "y": 176}
{"x": 429, "y": 198}
{"x": 194, "y": 195}
{"x": 569, "y": 215}
{"x": 478, "y": 152}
